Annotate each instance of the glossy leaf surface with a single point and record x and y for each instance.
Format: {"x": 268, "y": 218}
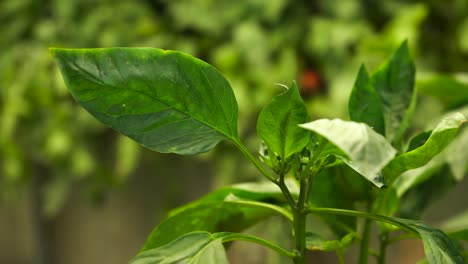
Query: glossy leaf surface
{"x": 278, "y": 123}
{"x": 195, "y": 248}
{"x": 367, "y": 152}
{"x": 165, "y": 100}
{"x": 394, "y": 83}
{"x": 364, "y": 103}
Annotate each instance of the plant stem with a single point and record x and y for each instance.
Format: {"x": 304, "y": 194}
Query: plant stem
{"x": 300, "y": 215}
{"x": 255, "y": 162}
{"x": 364, "y": 250}
{"x": 381, "y": 218}
{"x": 383, "y": 248}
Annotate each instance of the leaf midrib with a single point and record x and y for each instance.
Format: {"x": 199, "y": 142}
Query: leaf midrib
{"x": 103, "y": 84}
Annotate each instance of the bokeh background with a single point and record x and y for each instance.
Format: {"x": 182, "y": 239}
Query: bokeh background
{"x": 73, "y": 191}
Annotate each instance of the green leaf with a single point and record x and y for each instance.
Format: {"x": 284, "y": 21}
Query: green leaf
{"x": 417, "y": 199}
{"x": 449, "y": 89}
{"x": 165, "y": 100}
{"x": 339, "y": 187}
{"x": 277, "y": 123}
{"x": 233, "y": 209}
{"x": 457, "y": 226}
{"x": 317, "y": 242}
{"x": 366, "y": 151}
{"x": 364, "y": 103}
{"x": 253, "y": 191}
{"x": 437, "y": 245}
{"x": 394, "y": 83}
{"x": 200, "y": 247}
{"x": 459, "y": 235}
{"x": 196, "y": 247}
{"x": 440, "y": 137}
{"x": 457, "y": 155}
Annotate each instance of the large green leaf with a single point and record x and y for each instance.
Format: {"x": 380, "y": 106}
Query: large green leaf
{"x": 232, "y": 208}
{"x": 440, "y": 137}
{"x": 437, "y": 245}
{"x": 366, "y": 151}
{"x": 194, "y": 248}
{"x": 394, "y": 83}
{"x": 165, "y": 100}
{"x": 277, "y": 123}
{"x": 364, "y": 103}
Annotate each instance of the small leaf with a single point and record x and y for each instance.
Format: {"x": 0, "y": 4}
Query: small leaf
{"x": 440, "y": 137}
{"x": 165, "y": 100}
{"x": 394, "y": 83}
{"x": 367, "y": 152}
{"x": 317, "y": 242}
{"x": 364, "y": 103}
{"x": 277, "y": 123}
{"x": 196, "y": 247}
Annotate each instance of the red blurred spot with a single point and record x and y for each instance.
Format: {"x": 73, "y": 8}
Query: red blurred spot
{"x": 310, "y": 83}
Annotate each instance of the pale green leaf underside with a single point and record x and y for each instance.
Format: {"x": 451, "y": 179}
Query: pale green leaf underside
{"x": 165, "y": 100}
{"x": 193, "y": 248}
{"x": 367, "y": 152}
{"x": 277, "y": 123}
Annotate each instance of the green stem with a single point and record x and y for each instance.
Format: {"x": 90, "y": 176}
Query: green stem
{"x": 339, "y": 253}
{"x": 287, "y": 194}
{"x": 364, "y": 215}
{"x": 383, "y": 248}
{"x": 300, "y": 215}
{"x": 255, "y": 162}
{"x": 364, "y": 250}
{"x": 253, "y": 239}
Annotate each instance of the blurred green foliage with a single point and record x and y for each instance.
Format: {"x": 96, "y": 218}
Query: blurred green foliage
{"x": 255, "y": 44}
